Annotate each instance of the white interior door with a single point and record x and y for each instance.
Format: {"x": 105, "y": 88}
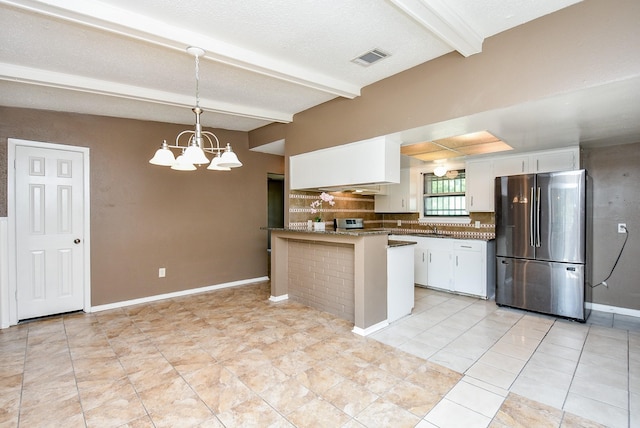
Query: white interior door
{"x": 49, "y": 189}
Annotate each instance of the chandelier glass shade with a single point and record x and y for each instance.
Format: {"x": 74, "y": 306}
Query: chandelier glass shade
{"x": 193, "y": 144}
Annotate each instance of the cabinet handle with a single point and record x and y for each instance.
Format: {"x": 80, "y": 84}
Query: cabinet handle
{"x": 465, "y": 246}
{"x": 471, "y": 200}
{"x": 429, "y": 257}
{"x": 423, "y": 257}
{"x": 522, "y": 166}
{"x": 537, "y": 165}
{"x": 456, "y": 261}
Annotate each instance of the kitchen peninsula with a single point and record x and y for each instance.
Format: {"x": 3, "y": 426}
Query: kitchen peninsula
{"x": 340, "y": 272}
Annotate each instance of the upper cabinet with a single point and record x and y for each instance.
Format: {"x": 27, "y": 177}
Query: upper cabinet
{"x": 401, "y": 197}
{"x": 372, "y": 161}
{"x": 557, "y": 160}
{"x": 481, "y": 173}
{"x": 479, "y": 196}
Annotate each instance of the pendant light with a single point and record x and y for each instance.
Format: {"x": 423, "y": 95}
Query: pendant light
{"x": 192, "y": 151}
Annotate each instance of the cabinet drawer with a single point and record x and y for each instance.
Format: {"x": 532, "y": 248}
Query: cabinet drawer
{"x": 467, "y": 245}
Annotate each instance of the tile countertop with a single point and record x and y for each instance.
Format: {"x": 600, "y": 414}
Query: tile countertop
{"x": 393, "y": 243}
{"x": 349, "y": 232}
{"x": 408, "y": 234}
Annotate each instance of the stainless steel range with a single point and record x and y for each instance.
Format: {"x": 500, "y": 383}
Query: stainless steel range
{"x": 348, "y": 223}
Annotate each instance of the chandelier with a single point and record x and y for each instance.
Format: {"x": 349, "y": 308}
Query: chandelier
{"x": 192, "y": 148}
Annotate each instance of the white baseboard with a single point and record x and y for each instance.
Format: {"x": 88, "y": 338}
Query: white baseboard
{"x": 176, "y": 294}
{"x": 281, "y": 298}
{"x": 613, "y": 309}
{"x": 370, "y": 330}
{"x": 4, "y": 273}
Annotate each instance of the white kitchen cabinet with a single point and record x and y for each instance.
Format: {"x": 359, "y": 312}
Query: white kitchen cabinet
{"x": 556, "y": 160}
{"x": 372, "y": 161}
{"x": 474, "y": 268}
{"x": 481, "y": 173}
{"x": 421, "y": 257}
{"x": 469, "y": 264}
{"x": 401, "y": 197}
{"x": 479, "y": 183}
{"x": 465, "y": 266}
{"x": 511, "y": 165}
{"x": 421, "y": 264}
{"x": 400, "y": 282}
{"x": 566, "y": 159}
{"x": 439, "y": 268}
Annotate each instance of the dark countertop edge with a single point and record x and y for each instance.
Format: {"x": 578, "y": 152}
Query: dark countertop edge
{"x": 355, "y": 232}
{"x": 439, "y": 236}
{"x": 362, "y": 232}
{"x": 393, "y": 243}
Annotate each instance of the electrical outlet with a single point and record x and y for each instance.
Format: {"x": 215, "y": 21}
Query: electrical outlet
{"x": 622, "y": 227}
{"x": 477, "y": 224}
{"x": 162, "y": 272}
{"x": 399, "y": 223}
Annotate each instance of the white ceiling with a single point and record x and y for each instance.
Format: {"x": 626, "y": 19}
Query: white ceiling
{"x": 264, "y": 60}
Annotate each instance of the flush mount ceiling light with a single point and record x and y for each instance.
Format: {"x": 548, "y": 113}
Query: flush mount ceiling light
{"x": 440, "y": 171}
{"x": 192, "y": 149}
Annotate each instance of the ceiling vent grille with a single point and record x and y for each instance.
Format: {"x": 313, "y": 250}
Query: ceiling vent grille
{"x": 368, "y": 58}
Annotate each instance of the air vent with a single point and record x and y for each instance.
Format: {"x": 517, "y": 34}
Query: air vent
{"x": 368, "y": 58}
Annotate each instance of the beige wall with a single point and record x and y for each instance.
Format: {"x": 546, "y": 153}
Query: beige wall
{"x": 615, "y": 172}
{"x": 588, "y": 44}
{"x": 203, "y": 226}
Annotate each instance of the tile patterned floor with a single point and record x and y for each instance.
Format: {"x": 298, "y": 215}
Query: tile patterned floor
{"x": 591, "y": 369}
{"x": 230, "y": 358}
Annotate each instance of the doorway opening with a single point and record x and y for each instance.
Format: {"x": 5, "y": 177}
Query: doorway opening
{"x": 275, "y": 208}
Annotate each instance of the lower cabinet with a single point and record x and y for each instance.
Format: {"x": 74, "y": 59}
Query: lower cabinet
{"x": 464, "y": 266}
{"x": 469, "y": 266}
{"x": 439, "y": 266}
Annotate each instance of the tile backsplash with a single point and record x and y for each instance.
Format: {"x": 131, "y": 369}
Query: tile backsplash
{"x": 348, "y": 205}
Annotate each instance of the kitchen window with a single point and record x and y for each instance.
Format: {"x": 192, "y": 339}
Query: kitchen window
{"x": 444, "y": 196}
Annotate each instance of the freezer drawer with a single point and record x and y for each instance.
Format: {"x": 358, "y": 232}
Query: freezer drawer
{"x": 547, "y": 287}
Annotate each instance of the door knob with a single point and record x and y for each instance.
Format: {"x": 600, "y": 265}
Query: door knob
{"x": 76, "y": 241}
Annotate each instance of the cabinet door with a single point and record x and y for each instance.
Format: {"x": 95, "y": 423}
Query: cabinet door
{"x": 398, "y": 197}
{"x": 469, "y": 273}
{"x": 439, "y": 268}
{"x": 563, "y": 160}
{"x": 420, "y": 265}
{"x": 479, "y": 181}
{"x": 511, "y": 165}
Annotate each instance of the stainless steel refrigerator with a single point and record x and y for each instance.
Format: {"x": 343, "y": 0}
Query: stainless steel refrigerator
{"x": 543, "y": 242}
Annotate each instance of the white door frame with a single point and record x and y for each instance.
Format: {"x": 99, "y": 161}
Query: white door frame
{"x": 8, "y": 289}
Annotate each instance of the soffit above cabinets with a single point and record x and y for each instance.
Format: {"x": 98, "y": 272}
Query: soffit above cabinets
{"x": 475, "y": 143}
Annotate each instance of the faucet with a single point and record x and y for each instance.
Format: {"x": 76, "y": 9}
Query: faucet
{"x": 433, "y": 227}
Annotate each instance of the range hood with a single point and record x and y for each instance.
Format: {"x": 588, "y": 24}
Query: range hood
{"x": 348, "y": 167}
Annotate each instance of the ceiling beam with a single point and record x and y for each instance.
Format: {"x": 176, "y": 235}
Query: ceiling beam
{"x": 126, "y": 23}
{"x": 35, "y": 76}
{"x": 444, "y": 23}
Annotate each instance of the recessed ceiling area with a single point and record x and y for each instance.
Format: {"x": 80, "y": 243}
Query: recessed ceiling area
{"x": 475, "y": 143}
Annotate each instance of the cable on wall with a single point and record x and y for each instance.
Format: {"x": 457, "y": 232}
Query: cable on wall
{"x": 604, "y": 281}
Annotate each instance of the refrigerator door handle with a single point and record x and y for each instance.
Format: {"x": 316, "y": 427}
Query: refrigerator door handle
{"x": 538, "y": 218}
{"x": 531, "y": 224}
